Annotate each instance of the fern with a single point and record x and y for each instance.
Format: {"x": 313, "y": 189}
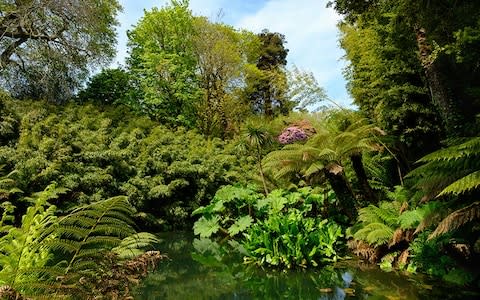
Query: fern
{"x": 378, "y": 223}
{"x": 24, "y": 254}
{"x": 457, "y": 219}
{"x": 463, "y": 185}
{"x": 7, "y": 184}
{"x": 375, "y": 234}
{"x": 99, "y": 226}
{"x": 450, "y": 171}
{"x": 135, "y": 245}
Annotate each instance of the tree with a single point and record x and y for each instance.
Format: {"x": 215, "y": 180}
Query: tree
{"x": 386, "y": 82}
{"x": 304, "y": 90}
{"x": 48, "y": 47}
{"x": 439, "y": 30}
{"x": 267, "y": 83}
{"x": 162, "y": 57}
{"x": 323, "y": 156}
{"x": 221, "y": 62}
{"x": 109, "y": 86}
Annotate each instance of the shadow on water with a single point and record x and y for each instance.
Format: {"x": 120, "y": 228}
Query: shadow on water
{"x": 202, "y": 269}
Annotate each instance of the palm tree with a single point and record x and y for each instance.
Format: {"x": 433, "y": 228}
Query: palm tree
{"x": 257, "y": 138}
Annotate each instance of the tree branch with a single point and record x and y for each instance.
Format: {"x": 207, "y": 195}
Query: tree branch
{"x": 5, "y": 56}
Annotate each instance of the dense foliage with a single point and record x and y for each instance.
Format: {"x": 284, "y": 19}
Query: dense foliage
{"x": 48, "y": 47}
{"x": 198, "y": 129}
{"x": 50, "y": 254}
{"x": 282, "y": 229}
{"x": 97, "y": 153}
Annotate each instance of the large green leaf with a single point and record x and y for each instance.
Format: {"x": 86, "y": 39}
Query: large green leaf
{"x": 206, "y": 227}
{"x": 240, "y": 225}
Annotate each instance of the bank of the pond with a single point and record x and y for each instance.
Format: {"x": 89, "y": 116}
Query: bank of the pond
{"x": 200, "y": 270}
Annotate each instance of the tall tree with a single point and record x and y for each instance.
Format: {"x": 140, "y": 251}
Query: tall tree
{"x": 221, "y": 53}
{"x": 441, "y": 31}
{"x": 47, "y": 47}
{"x": 162, "y": 57}
{"x": 386, "y": 82}
{"x": 267, "y": 85}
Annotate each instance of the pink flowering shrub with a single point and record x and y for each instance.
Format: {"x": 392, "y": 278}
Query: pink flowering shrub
{"x": 292, "y": 134}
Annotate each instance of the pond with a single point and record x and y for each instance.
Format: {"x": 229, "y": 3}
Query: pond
{"x": 201, "y": 269}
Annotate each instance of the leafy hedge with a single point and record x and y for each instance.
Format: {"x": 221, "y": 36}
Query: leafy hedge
{"x": 100, "y": 152}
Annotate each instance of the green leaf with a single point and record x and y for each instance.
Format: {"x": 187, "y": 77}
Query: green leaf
{"x": 240, "y": 225}
{"x": 206, "y": 227}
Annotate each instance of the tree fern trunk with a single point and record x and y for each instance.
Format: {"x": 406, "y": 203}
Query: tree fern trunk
{"x": 344, "y": 193}
{"x": 362, "y": 178}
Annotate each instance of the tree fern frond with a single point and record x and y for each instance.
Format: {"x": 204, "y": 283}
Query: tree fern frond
{"x": 314, "y": 168}
{"x": 86, "y": 264}
{"x": 73, "y": 232}
{"x": 375, "y": 234}
{"x": 469, "y": 148}
{"x": 410, "y": 219}
{"x": 457, "y": 219}
{"x": 135, "y": 244}
{"x": 63, "y": 245}
{"x": 100, "y": 225}
{"x": 463, "y": 185}
{"x": 104, "y": 241}
{"x": 453, "y": 170}
{"x": 368, "y": 215}
{"x": 386, "y": 213}
{"x": 90, "y": 254}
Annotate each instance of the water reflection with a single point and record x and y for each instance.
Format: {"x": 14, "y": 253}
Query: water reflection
{"x": 202, "y": 269}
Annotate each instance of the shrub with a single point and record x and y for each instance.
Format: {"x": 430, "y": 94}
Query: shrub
{"x": 279, "y": 230}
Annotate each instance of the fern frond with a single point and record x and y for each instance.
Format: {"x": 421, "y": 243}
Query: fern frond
{"x": 410, "y": 219}
{"x": 375, "y": 234}
{"x": 451, "y": 171}
{"x": 457, "y": 219}
{"x": 100, "y": 226}
{"x": 63, "y": 245}
{"x": 463, "y": 185}
{"x": 469, "y": 148}
{"x": 387, "y": 212}
{"x": 135, "y": 244}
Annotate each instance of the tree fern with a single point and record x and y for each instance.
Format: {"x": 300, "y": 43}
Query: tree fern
{"x": 457, "y": 219}
{"x": 450, "y": 171}
{"x": 89, "y": 231}
{"x": 135, "y": 245}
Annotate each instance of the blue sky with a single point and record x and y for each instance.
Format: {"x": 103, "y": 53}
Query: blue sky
{"x": 309, "y": 27}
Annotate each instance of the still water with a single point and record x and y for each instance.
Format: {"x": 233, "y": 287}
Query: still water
{"x": 201, "y": 269}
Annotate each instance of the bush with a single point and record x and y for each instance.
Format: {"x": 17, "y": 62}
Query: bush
{"x": 97, "y": 153}
{"x": 280, "y": 230}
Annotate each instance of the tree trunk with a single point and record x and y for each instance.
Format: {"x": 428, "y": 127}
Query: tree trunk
{"x": 267, "y": 102}
{"x": 260, "y": 168}
{"x": 342, "y": 190}
{"x": 441, "y": 98}
{"x": 362, "y": 178}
